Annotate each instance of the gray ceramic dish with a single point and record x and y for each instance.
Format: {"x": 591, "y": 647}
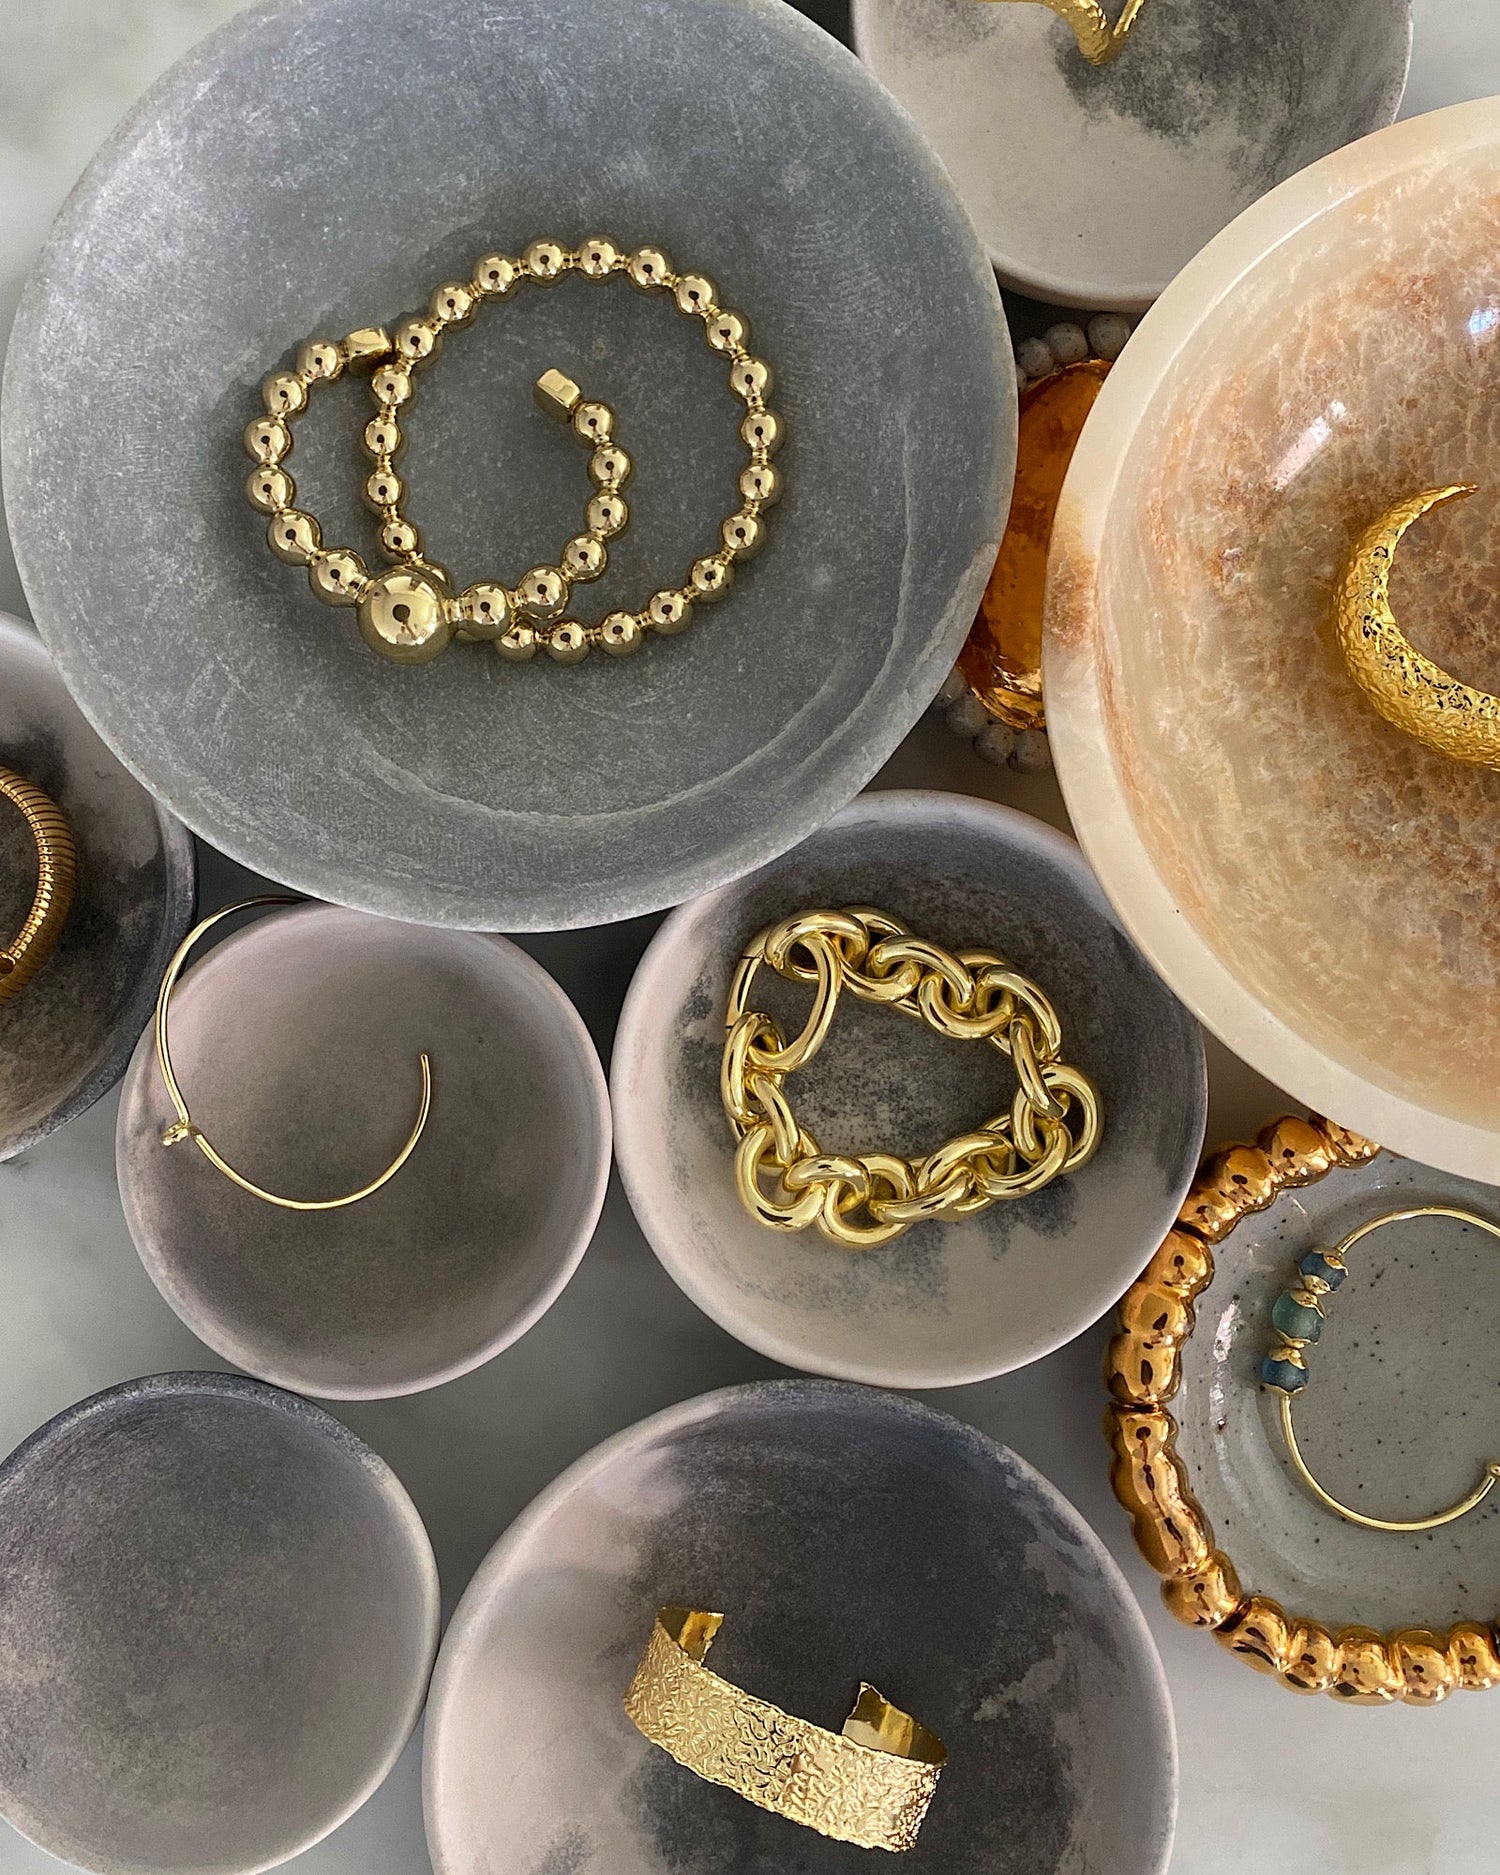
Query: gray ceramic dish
{"x": 948, "y": 1302}
{"x": 66, "y": 1039}
{"x": 1092, "y": 186}
{"x": 218, "y": 1610}
{"x": 471, "y": 792}
{"x": 845, "y": 1535}
{"x": 469, "y": 1244}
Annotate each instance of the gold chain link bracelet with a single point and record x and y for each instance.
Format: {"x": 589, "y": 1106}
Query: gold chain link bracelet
{"x": 56, "y": 875}
{"x": 411, "y": 613}
{"x": 785, "y": 1179}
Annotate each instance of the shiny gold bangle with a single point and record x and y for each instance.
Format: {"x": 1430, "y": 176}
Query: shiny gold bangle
{"x": 785, "y": 1179}
{"x": 410, "y": 613}
{"x": 870, "y": 1785}
{"x": 56, "y": 876}
{"x": 1098, "y": 41}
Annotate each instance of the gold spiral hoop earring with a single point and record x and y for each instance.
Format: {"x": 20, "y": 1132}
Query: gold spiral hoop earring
{"x": 183, "y": 1127}
{"x": 56, "y": 877}
{"x": 1098, "y": 41}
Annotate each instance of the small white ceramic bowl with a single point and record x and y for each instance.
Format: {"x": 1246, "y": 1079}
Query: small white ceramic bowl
{"x": 948, "y": 1302}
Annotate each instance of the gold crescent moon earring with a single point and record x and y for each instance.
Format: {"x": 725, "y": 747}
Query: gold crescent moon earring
{"x": 183, "y": 1128}
{"x": 1407, "y": 688}
{"x": 1098, "y": 41}
{"x": 56, "y": 875}
{"x": 1297, "y": 1315}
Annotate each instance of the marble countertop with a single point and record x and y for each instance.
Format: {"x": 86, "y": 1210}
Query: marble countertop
{"x": 1266, "y": 1778}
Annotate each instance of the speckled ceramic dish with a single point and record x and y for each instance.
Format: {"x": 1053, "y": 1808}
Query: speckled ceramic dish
{"x": 1092, "y": 186}
{"x": 467, "y": 1246}
{"x": 739, "y": 137}
{"x": 66, "y": 1038}
{"x": 1400, "y": 1416}
{"x": 218, "y": 1610}
{"x": 952, "y": 1301}
{"x": 1321, "y": 889}
{"x": 845, "y": 1535}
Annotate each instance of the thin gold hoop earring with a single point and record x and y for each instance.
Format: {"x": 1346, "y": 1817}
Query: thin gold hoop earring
{"x": 1297, "y": 1315}
{"x": 183, "y": 1128}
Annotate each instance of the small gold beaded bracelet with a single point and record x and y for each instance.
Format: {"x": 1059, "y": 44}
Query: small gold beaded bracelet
{"x": 56, "y": 876}
{"x": 410, "y": 613}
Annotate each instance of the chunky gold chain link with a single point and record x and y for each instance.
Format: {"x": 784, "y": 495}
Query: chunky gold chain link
{"x": 860, "y": 1200}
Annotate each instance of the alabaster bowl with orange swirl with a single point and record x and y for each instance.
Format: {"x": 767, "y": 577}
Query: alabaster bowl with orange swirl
{"x": 1321, "y": 889}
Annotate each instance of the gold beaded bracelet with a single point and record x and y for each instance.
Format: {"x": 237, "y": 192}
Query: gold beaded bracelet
{"x": 411, "y": 613}
{"x": 56, "y": 875}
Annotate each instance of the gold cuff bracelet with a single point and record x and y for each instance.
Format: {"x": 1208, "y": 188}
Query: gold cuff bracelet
{"x": 56, "y": 875}
{"x": 869, "y": 1785}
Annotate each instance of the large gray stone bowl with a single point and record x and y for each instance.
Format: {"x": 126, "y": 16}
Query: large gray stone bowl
{"x": 319, "y": 164}
{"x": 844, "y": 1535}
{"x": 65, "y": 1040}
{"x": 218, "y": 1609}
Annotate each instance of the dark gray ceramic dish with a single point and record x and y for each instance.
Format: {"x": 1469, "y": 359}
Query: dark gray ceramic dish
{"x": 845, "y": 1535}
{"x": 469, "y": 1244}
{"x": 218, "y": 1610}
{"x": 949, "y": 1302}
{"x": 66, "y": 1038}
{"x": 368, "y": 151}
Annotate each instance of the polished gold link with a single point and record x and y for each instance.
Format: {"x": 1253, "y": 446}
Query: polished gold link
{"x": 1023, "y": 1058}
{"x": 766, "y": 1091}
{"x": 754, "y": 1160}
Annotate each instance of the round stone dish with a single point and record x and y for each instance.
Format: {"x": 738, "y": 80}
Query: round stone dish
{"x": 474, "y": 1238}
{"x": 218, "y": 1611}
{"x": 734, "y": 134}
{"x": 1092, "y": 185}
{"x": 1323, "y": 891}
{"x": 844, "y": 1535}
{"x": 65, "y": 1040}
{"x": 951, "y": 1301}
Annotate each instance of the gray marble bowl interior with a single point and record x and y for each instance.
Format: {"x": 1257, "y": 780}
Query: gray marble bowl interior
{"x": 297, "y": 1044}
{"x": 844, "y": 1535}
{"x": 319, "y": 164}
{"x": 66, "y": 1038}
{"x": 218, "y": 1610}
{"x": 1400, "y": 1417}
{"x": 1092, "y": 186}
{"x": 952, "y": 1301}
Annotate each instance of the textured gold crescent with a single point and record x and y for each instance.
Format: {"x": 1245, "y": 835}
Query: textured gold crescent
{"x": 1407, "y": 688}
{"x": 1098, "y": 41}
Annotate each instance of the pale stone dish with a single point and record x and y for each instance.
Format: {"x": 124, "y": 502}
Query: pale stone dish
{"x": 1321, "y": 889}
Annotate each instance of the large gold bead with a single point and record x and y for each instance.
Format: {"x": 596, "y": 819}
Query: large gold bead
{"x": 383, "y": 490}
{"x": 584, "y": 558}
{"x": 593, "y": 422}
{"x": 268, "y": 439}
{"x": 284, "y": 393}
{"x": 483, "y": 611}
{"x": 517, "y": 644}
{"x": 495, "y": 275}
{"x": 383, "y": 438}
{"x": 391, "y": 384}
{"x": 405, "y": 616}
{"x": 743, "y": 535}
{"x": 696, "y": 293}
{"x": 568, "y": 642}
{"x": 337, "y": 577}
{"x": 608, "y": 515}
{"x": 541, "y": 593}
{"x": 598, "y": 258}
{"x": 545, "y": 261}
{"x": 453, "y": 303}
{"x": 294, "y": 536}
{"x": 669, "y": 612}
{"x": 620, "y": 634}
{"x": 710, "y": 579}
{"x": 270, "y": 488}
{"x": 750, "y": 378}
{"x": 418, "y": 339}
{"x": 401, "y": 539}
{"x": 610, "y": 466}
{"x": 728, "y": 331}
{"x": 648, "y": 268}
{"x": 320, "y": 359}
{"x": 761, "y": 431}
{"x": 760, "y": 483}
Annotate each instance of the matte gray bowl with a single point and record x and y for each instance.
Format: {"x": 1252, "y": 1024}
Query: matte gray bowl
{"x": 297, "y": 1044}
{"x": 218, "y": 1609}
{"x": 950, "y": 1301}
{"x": 66, "y": 1038}
{"x": 319, "y": 164}
{"x": 844, "y": 1535}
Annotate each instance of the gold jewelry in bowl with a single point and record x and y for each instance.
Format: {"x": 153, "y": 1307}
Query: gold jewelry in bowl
{"x": 870, "y": 1784}
{"x": 56, "y": 876}
{"x": 1098, "y": 41}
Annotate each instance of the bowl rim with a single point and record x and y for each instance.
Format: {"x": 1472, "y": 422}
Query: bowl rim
{"x": 1087, "y": 768}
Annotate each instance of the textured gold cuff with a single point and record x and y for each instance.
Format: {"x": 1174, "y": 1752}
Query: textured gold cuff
{"x": 870, "y": 1785}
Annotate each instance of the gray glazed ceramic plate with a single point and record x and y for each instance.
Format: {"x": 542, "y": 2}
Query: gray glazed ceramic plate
{"x": 949, "y": 1302}
{"x": 473, "y": 1239}
{"x": 1092, "y": 186}
{"x": 845, "y": 1535}
{"x": 319, "y": 164}
{"x": 218, "y": 1609}
{"x": 66, "y": 1038}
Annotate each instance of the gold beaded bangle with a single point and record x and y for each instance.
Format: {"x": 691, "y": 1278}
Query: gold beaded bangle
{"x": 410, "y": 612}
{"x": 56, "y": 875}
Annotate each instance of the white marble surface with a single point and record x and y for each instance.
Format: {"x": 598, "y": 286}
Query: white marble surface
{"x": 1268, "y": 1780}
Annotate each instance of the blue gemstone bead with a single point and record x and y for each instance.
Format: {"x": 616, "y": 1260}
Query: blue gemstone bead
{"x": 1295, "y": 1319}
{"x": 1316, "y": 1264}
{"x": 1282, "y": 1375}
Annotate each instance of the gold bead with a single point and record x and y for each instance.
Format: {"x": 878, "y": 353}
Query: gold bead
{"x": 608, "y": 515}
{"x": 483, "y": 611}
{"x": 383, "y": 438}
{"x": 728, "y": 331}
{"x": 761, "y": 483}
{"x": 391, "y": 385}
{"x": 610, "y": 466}
{"x": 542, "y": 593}
{"x": 294, "y": 536}
{"x": 761, "y": 431}
{"x": 649, "y": 269}
{"x": 545, "y": 261}
{"x": 268, "y": 439}
{"x": 400, "y": 538}
{"x": 743, "y": 535}
{"x": 418, "y": 339}
{"x": 710, "y": 579}
{"x": 495, "y": 274}
{"x": 320, "y": 359}
{"x": 284, "y": 393}
{"x": 453, "y": 303}
{"x": 669, "y": 612}
{"x": 270, "y": 488}
{"x": 594, "y": 422}
{"x": 569, "y": 642}
{"x": 584, "y": 558}
{"x": 695, "y": 293}
{"x": 405, "y": 615}
{"x": 620, "y": 634}
{"x": 750, "y": 378}
{"x": 384, "y": 490}
{"x": 598, "y": 258}
{"x": 337, "y": 577}
{"x": 517, "y": 644}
